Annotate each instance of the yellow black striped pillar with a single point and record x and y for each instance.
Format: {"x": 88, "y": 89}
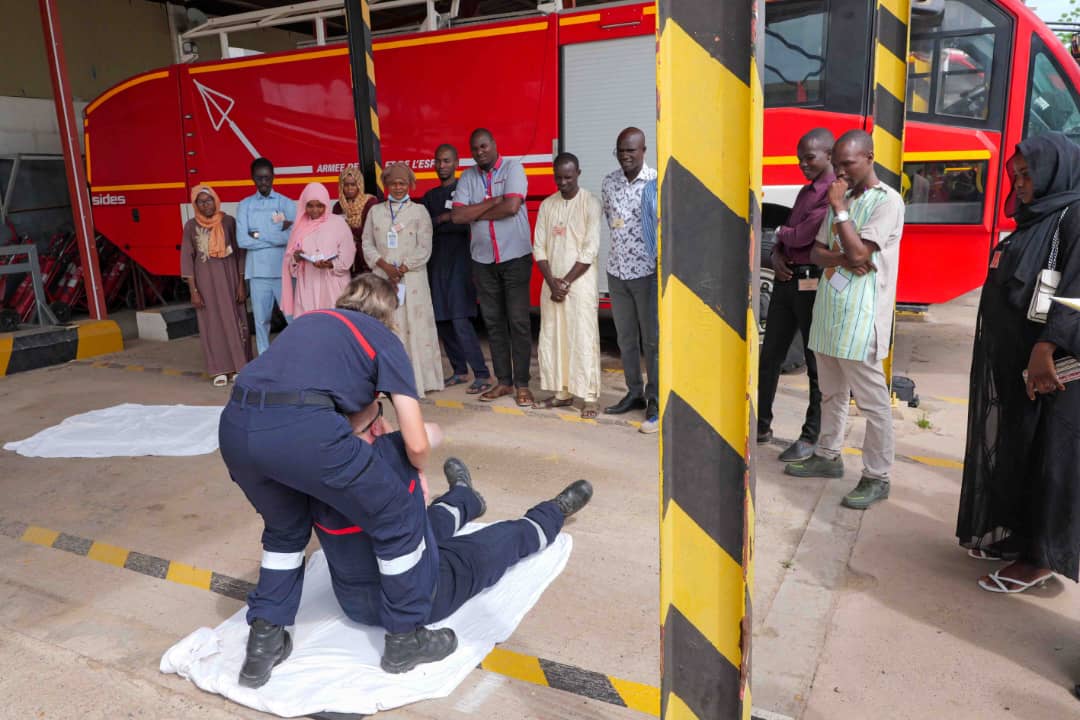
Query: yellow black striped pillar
{"x": 709, "y": 150}
{"x": 362, "y": 64}
{"x": 890, "y": 93}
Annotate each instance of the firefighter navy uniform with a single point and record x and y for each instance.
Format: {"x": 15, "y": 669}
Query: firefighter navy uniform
{"x": 288, "y": 444}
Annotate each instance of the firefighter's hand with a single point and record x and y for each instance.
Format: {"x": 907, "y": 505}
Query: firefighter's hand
{"x": 1041, "y": 375}
{"x": 241, "y": 293}
{"x": 781, "y": 269}
{"x": 197, "y": 300}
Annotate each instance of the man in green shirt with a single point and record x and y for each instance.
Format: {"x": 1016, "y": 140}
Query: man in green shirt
{"x": 859, "y": 247}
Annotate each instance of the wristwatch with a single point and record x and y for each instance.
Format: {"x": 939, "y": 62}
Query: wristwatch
{"x": 842, "y": 216}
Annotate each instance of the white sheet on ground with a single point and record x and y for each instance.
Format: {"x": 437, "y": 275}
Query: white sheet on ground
{"x": 128, "y": 430}
{"x": 334, "y": 666}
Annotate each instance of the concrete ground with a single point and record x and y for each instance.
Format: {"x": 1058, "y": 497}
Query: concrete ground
{"x": 856, "y": 615}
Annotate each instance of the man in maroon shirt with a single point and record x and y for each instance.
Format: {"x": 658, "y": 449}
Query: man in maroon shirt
{"x": 794, "y": 287}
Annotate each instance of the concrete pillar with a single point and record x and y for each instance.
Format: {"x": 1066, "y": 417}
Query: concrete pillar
{"x": 709, "y": 131}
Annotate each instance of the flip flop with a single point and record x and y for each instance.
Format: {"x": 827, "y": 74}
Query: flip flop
{"x": 997, "y": 584}
{"x": 220, "y": 380}
{"x": 455, "y": 380}
{"x": 552, "y": 402}
{"x": 590, "y": 411}
{"x": 479, "y": 386}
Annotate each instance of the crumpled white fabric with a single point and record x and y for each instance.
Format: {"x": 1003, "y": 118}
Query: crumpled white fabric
{"x": 128, "y": 430}
{"x": 334, "y": 665}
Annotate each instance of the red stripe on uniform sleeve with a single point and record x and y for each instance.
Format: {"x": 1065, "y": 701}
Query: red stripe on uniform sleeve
{"x": 412, "y": 486}
{"x": 341, "y": 531}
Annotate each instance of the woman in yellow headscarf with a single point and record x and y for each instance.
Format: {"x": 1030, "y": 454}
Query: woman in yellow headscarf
{"x": 353, "y": 203}
{"x": 213, "y": 265}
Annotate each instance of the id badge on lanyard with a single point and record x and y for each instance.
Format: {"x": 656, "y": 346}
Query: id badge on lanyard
{"x": 395, "y": 228}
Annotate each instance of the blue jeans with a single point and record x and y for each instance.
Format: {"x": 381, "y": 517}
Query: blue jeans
{"x": 264, "y": 291}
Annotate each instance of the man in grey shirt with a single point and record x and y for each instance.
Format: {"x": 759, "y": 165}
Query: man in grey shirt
{"x": 490, "y": 197}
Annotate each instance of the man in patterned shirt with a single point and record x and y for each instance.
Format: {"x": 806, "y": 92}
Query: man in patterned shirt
{"x": 631, "y": 270}
{"x": 859, "y": 247}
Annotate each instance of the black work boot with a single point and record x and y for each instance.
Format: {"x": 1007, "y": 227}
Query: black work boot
{"x": 268, "y": 645}
{"x": 574, "y": 497}
{"x": 406, "y": 650}
{"x": 457, "y": 473}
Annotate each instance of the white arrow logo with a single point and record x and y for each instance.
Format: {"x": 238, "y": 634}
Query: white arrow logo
{"x": 218, "y": 106}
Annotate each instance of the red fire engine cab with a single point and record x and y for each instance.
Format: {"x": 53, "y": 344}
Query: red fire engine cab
{"x": 982, "y": 74}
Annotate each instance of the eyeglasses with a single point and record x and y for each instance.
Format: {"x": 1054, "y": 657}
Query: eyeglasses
{"x": 373, "y": 420}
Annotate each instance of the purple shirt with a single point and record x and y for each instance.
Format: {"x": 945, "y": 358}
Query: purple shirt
{"x": 795, "y": 238}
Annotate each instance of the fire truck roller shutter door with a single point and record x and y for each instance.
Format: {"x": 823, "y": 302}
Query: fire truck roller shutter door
{"x": 607, "y": 86}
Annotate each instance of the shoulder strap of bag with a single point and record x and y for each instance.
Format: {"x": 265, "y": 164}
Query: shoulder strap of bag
{"x": 1056, "y": 242}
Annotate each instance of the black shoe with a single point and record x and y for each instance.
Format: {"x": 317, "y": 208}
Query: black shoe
{"x": 764, "y": 437}
{"x": 574, "y": 496}
{"x": 628, "y": 403}
{"x": 798, "y": 451}
{"x": 268, "y": 645}
{"x": 457, "y": 473}
{"x": 406, "y": 650}
{"x": 652, "y": 410}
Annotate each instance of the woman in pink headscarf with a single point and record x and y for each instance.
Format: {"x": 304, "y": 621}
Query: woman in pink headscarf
{"x": 320, "y": 252}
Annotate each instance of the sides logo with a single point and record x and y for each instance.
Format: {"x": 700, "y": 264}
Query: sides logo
{"x": 108, "y": 199}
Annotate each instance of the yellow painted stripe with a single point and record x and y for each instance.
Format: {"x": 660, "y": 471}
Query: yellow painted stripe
{"x": 751, "y": 518}
{"x": 278, "y": 180}
{"x": 125, "y": 86}
{"x": 86, "y": 152}
{"x": 258, "y": 62}
{"x": 515, "y": 665}
{"x": 751, "y": 362}
{"x": 953, "y": 400}
{"x": 677, "y": 709}
{"x": 134, "y": 368}
{"x": 6, "y": 342}
{"x": 40, "y": 536}
{"x": 938, "y": 462}
{"x": 747, "y": 702}
{"x": 106, "y": 553}
{"x": 702, "y": 581}
{"x": 650, "y": 10}
{"x": 172, "y": 371}
{"x": 98, "y": 337}
{"x": 365, "y": 14}
{"x": 579, "y": 19}
{"x": 574, "y": 417}
{"x": 456, "y": 404}
{"x": 643, "y": 698}
{"x": 946, "y": 155}
{"x": 891, "y": 72}
{"x": 371, "y": 69}
{"x": 780, "y": 160}
{"x": 507, "y": 410}
{"x": 453, "y": 37}
{"x": 139, "y": 186}
{"x": 694, "y": 137}
{"x": 692, "y": 371}
{"x": 887, "y": 149}
{"x": 375, "y": 122}
{"x": 188, "y": 575}
{"x": 899, "y": 8}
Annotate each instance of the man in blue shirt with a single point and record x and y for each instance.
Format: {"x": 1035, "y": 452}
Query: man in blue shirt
{"x": 262, "y": 228}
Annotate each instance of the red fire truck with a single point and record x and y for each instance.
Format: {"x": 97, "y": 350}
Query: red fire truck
{"x": 982, "y": 74}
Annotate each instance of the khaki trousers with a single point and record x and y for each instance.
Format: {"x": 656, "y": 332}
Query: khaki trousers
{"x": 838, "y": 379}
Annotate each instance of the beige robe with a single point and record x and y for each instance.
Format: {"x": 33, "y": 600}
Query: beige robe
{"x": 568, "y": 232}
{"x": 415, "y": 319}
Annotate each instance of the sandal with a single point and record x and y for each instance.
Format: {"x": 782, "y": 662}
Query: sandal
{"x": 997, "y": 584}
{"x": 496, "y": 392}
{"x": 220, "y": 381}
{"x": 525, "y": 397}
{"x": 455, "y": 380}
{"x": 552, "y": 402}
{"x": 988, "y": 553}
{"x": 590, "y": 411}
{"x": 480, "y": 385}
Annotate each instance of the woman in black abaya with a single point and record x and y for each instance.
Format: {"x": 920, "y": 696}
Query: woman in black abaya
{"x": 1021, "y": 488}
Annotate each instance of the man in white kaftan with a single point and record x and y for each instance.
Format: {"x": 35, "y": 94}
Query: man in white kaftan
{"x": 566, "y": 243}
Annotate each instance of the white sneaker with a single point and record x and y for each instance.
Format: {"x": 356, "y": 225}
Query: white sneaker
{"x": 649, "y": 427}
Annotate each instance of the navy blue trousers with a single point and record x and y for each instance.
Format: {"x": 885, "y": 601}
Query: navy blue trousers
{"x": 463, "y": 347}
{"x": 468, "y": 563}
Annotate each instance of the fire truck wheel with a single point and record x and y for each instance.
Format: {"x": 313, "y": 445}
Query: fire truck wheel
{"x": 9, "y": 320}
{"x": 61, "y": 310}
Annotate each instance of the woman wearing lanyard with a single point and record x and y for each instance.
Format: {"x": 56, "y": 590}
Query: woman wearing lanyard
{"x": 286, "y": 437}
{"x": 397, "y": 245}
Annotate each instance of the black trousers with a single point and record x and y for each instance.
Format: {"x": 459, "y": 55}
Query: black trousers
{"x": 637, "y": 325}
{"x": 503, "y": 291}
{"x": 790, "y": 312}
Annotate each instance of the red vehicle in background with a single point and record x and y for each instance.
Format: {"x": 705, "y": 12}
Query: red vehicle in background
{"x": 982, "y": 74}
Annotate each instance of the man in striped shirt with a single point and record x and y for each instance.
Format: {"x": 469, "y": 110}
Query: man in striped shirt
{"x": 859, "y": 247}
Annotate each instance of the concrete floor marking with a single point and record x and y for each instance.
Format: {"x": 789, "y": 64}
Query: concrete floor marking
{"x": 526, "y": 668}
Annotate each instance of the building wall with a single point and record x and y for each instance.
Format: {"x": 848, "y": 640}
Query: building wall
{"x": 105, "y": 42}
